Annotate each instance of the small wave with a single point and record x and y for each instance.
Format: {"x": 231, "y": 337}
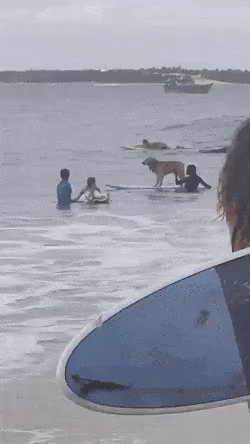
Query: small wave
{"x": 11, "y": 163}
{"x": 230, "y": 119}
{"x": 176, "y": 126}
{"x": 190, "y": 124}
{"x": 110, "y": 85}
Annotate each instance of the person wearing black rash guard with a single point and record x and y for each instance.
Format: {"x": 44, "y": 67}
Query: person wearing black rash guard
{"x": 192, "y": 181}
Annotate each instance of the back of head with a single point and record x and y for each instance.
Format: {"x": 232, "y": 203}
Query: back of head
{"x": 191, "y": 169}
{"x": 149, "y": 161}
{"x": 64, "y": 174}
{"x": 145, "y": 141}
{"x": 234, "y": 181}
{"x": 91, "y": 181}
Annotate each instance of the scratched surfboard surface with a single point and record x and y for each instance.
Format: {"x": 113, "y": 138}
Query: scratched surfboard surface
{"x": 181, "y": 347}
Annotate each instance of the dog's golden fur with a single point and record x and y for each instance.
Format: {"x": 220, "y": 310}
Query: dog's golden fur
{"x": 162, "y": 168}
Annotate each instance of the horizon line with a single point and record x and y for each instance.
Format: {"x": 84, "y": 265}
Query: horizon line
{"x": 179, "y": 67}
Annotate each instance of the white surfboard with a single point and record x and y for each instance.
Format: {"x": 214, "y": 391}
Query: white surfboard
{"x": 141, "y": 147}
{"x": 131, "y": 148}
{"x": 104, "y": 200}
{"x": 182, "y": 347}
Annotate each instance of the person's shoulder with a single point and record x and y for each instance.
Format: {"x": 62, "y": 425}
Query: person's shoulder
{"x": 65, "y": 185}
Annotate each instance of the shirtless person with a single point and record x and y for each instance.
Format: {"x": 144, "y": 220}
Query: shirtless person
{"x": 192, "y": 181}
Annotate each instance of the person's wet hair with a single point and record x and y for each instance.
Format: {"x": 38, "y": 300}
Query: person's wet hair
{"x": 91, "y": 181}
{"x": 234, "y": 183}
{"x": 64, "y": 173}
{"x": 191, "y": 169}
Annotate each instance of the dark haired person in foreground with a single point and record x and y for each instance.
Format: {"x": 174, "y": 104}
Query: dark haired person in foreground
{"x": 64, "y": 190}
{"x": 234, "y": 189}
{"x": 192, "y": 181}
{"x": 234, "y": 205}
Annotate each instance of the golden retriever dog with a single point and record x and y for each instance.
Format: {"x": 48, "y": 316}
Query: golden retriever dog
{"x": 161, "y": 168}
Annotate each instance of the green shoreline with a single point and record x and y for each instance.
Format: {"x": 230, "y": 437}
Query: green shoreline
{"x": 143, "y": 76}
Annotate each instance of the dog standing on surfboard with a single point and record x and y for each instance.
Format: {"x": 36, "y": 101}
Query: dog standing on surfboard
{"x": 161, "y": 169}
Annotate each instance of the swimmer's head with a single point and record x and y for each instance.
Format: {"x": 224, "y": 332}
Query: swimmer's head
{"x": 64, "y": 174}
{"x": 145, "y": 141}
{"x": 191, "y": 169}
{"x": 91, "y": 181}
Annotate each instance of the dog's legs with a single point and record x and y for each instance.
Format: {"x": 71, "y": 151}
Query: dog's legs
{"x": 159, "y": 182}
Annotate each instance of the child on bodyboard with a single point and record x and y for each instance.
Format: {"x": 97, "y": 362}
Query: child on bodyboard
{"x": 92, "y": 193}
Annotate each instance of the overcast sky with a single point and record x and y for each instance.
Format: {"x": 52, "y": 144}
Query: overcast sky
{"x": 124, "y": 33}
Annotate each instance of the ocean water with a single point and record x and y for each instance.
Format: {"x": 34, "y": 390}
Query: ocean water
{"x": 60, "y": 269}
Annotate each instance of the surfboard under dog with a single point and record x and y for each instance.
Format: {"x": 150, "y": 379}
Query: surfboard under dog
{"x": 144, "y": 188}
{"x": 137, "y": 187}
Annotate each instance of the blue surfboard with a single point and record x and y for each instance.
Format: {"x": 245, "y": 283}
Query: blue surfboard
{"x": 176, "y": 189}
{"x": 182, "y": 347}
{"x": 138, "y": 187}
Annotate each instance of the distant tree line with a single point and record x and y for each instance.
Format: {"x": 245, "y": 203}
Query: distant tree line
{"x": 70, "y": 76}
{"x": 230, "y": 75}
{"x": 143, "y": 75}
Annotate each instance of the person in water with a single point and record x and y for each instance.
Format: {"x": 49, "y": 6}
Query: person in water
{"x": 64, "y": 190}
{"x": 192, "y": 181}
{"x": 92, "y": 193}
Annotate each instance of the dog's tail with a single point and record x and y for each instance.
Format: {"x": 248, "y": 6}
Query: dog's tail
{"x": 181, "y": 171}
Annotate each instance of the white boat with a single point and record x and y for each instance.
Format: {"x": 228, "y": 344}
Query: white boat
{"x": 185, "y": 84}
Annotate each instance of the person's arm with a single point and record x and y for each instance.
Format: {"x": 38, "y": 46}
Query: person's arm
{"x": 180, "y": 181}
{"x": 70, "y": 193}
{"x": 79, "y": 196}
{"x": 205, "y": 184}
